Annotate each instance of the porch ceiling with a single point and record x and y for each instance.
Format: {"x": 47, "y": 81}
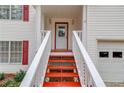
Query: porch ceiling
{"x": 62, "y": 10}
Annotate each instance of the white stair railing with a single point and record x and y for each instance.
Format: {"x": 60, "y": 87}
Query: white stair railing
{"x": 36, "y": 72}
{"x": 88, "y": 74}
{"x": 43, "y": 34}
{"x": 79, "y": 33}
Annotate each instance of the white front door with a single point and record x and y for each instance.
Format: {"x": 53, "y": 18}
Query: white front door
{"x": 61, "y": 35}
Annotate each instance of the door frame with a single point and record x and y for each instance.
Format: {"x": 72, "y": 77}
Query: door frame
{"x": 55, "y": 34}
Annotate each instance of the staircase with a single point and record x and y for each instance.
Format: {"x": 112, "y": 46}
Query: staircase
{"x": 61, "y": 71}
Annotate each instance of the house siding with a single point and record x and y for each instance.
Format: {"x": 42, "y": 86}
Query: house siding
{"x": 105, "y": 23}
{"x": 18, "y": 30}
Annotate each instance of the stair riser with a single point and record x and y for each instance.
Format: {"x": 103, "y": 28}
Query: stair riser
{"x": 61, "y": 57}
{"x": 62, "y": 84}
{"x": 60, "y": 64}
{"x": 62, "y": 70}
{"x": 62, "y": 79}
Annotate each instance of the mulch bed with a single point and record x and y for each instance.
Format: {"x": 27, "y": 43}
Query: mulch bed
{"x": 7, "y": 77}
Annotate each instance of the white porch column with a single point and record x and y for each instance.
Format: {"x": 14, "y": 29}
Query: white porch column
{"x": 84, "y": 25}
{"x": 38, "y": 25}
{"x": 42, "y": 19}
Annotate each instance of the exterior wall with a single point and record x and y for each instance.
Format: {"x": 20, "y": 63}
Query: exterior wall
{"x": 105, "y": 23}
{"x": 14, "y": 30}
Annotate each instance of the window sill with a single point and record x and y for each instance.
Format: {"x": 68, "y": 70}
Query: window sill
{"x": 10, "y": 63}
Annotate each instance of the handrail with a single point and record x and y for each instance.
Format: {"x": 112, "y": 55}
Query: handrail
{"x": 36, "y": 72}
{"x": 88, "y": 73}
{"x": 79, "y": 33}
{"x": 43, "y": 34}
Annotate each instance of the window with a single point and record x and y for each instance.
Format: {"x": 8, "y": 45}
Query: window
{"x": 4, "y": 11}
{"x": 61, "y": 32}
{"x": 117, "y": 54}
{"x": 10, "y": 51}
{"x": 13, "y": 12}
{"x": 16, "y": 51}
{"x": 104, "y": 54}
{"x": 16, "y": 12}
{"x": 4, "y": 49}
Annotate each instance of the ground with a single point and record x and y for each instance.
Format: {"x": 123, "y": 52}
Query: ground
{"x": 7, "y": 77}
{"x": 114, "y": 84}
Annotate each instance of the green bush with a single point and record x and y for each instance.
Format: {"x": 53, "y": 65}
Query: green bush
{"x": 2, "y": 76}
{"x": 19, "y": 76}
{"x": 15, "y": 82}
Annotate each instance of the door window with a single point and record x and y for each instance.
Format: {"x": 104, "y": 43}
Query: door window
{"x": 61, "y": 32}
{"x": 117, "y": 54}
{"x": 103, "y": 54}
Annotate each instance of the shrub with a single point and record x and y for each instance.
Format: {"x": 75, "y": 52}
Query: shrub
{"x": 2, "y": 76}
{"x": 14, "y": 82}
{"x": 19, "y": 76}
{"x": 10, "y": 83}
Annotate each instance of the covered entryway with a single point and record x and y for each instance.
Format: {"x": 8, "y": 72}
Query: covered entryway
{"x": 62, "y": 20}
{"x": 111, "y": 60}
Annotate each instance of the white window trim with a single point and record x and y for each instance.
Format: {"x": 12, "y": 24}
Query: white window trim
{"x": 10, "y": 15}
{"x": 10, "y": 12}
{"x": 9, "y": 52}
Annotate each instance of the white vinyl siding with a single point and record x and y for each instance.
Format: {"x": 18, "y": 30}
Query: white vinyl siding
{"x": 18, "y": 31}
{"x": 105, "y": 23}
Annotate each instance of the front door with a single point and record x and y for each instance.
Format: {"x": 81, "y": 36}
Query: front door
{"x": 61, "y": 35}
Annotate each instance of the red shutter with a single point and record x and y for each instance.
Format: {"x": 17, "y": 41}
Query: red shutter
{"x": 25, "y": 12}
{"x": 25, "y": 53}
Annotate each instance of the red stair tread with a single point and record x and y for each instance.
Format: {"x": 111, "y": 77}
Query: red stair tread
{"x": 64, "y": 56}
{"x": 65, "y": 74}
{"x": 61, "y": 84}
{"x": 62, "y": 67}
{"x": 61, "y": 60}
